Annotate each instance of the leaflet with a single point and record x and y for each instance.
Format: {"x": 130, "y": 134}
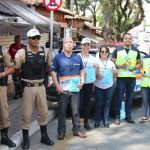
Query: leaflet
{"x": 147, "y": 74}
{"x": 107, "y": 76}
{"x": 73, "y": 85}
{"x": 69, "y": 83}
{"x": 91, "y": 75}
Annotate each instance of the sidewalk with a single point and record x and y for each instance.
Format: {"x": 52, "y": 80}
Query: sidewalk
{"x": 125, "y": 136}
{"x": 15, "y": 115}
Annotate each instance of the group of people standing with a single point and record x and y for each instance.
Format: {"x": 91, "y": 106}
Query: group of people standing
{"x": 76, "y": 77}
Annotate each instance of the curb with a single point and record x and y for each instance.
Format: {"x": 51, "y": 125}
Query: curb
{"x": 17, "y": 138}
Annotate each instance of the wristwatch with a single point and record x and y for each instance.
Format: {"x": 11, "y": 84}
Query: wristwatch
{"x": 3, "y": 74}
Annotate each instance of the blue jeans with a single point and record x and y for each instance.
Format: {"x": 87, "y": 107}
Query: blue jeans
{"x": 146, "y": 101}
{"x": 125, "y": 86}
{"x": 103, "y": 99}
{"x": 63, "y": 102}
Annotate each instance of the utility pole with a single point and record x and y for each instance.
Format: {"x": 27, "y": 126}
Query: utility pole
{"x": 71, "y": 9}
{"x": 71, "y": 5}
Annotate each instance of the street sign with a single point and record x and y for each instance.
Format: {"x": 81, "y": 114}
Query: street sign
{"x": 52, "y": 5}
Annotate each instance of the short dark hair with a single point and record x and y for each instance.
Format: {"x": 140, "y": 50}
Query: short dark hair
{"x": 127, "y": 33}
{"x": 100, "y": 49}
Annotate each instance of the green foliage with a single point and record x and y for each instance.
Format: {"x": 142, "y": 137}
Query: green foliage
{"x": 100, "y": 20}
{"x": 120, "y": 16}
{"x": 114, "y": 16}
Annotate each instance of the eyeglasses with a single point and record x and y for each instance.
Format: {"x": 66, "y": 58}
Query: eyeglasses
{"x": 104, "y": 52}
{"x": 36, "y": 37}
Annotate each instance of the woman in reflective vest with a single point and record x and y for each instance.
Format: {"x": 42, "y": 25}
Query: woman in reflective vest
{"x": 145, "y": 87}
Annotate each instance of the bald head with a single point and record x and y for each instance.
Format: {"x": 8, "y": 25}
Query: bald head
{"x": 68, "y": 44}
{"x": 67, "y": 38}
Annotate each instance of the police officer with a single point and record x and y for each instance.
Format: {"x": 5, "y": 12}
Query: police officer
{"x": 5, "y": 60}
{"x": 33, "y": 62}
{"x": 127, "y": 60}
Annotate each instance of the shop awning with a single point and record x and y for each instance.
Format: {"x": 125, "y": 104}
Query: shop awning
{"x": 8, "y": 24}
{"x": 88, "y": 34}
{"x": 29, "y": 15}
{"x": 12, "y": 28}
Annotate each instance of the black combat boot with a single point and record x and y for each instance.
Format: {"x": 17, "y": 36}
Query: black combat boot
{"x": 44, "y": 137}
{"x": 5, "y": 140}
{"x": 26, "y": 142}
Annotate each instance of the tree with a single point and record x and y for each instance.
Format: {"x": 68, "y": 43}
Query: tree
{"x": 108, "y": 9}
{"x": 121, "y": 16}
{"x": 87, "y": 5}
{"x": 114, "y": 16}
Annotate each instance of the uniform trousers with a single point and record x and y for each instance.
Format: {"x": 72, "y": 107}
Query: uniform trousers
{"x": 34, "y": 96}
{"x": 4, "y": 112}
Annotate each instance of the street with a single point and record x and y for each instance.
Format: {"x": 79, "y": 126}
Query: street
{"x": 123, "y": 137}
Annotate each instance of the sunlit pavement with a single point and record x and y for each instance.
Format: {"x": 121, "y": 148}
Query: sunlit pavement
{"x": 123, "y": 137}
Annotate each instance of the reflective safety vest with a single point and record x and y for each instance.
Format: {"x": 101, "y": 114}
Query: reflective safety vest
{"x": 130, "y": 59}
{"x": 146, "y": 68}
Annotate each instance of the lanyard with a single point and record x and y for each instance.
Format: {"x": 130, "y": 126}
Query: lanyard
{"x": 105, "y": 64}
{"x": 84, "y": 61}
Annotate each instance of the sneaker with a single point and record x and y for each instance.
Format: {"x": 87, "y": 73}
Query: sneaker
{"x": 96, "y": 125}
{"x": 117, "y": 121}
{"x": 106, "y": 125}
{"x": 129, "y": 120}
{"x": 87, "y": 127}
{"x": 144, "y": 119}
{"x": 80, "y": 134}
{"x": 61, "y": 136}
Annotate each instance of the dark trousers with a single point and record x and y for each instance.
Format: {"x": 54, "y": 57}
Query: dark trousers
{"x": 85, "y": 99}
{"x": 146, "y": 101}
{"x": 17, "y": 84}
{"x": 63, "y": 102}
{"x": 125, "y": 86}
{"x": 103, "y": 100}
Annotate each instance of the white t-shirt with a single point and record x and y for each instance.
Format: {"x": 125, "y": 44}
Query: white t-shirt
{"x": 88, "y": 62}
{"x": 105, "y": 68}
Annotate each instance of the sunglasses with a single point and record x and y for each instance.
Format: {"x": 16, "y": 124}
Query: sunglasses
{"x": 104, "y": 52}
{"x": 36, "y": 37}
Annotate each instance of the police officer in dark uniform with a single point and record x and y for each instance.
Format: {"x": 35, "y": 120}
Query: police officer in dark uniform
{"x": 5, "y": 60}
{"x": 33, "y": 62}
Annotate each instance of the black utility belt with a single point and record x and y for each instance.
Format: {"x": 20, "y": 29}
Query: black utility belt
{"x": 28, "y": 84}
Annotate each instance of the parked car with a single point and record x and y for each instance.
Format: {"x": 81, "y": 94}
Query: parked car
{"x": 52, "y": 94}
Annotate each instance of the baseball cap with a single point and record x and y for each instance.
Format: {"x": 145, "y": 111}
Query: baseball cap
{"x": 86, "y": 40}
{"x": 33, "y": 32}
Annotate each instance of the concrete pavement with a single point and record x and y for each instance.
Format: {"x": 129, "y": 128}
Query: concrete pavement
{"x": 122, "y": 137}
